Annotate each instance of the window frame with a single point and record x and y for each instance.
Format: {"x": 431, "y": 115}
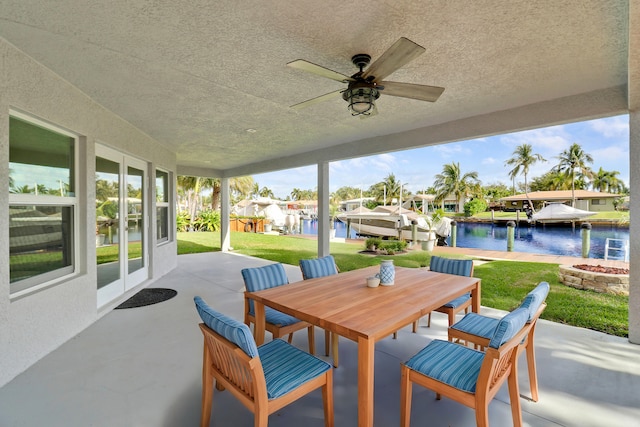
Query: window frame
{"x": 60, "y": 275}
{"x": 163, "y": 205}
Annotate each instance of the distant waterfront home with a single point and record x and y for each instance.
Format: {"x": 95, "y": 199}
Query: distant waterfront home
{"x": 349, "y": 205}
{"x": 594, "y": 201}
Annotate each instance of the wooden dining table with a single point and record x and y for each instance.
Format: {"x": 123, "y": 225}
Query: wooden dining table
{"x": 344, "y": 305}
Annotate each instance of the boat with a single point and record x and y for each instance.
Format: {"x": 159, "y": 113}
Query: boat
{"x": 559, "y": 212}
{"x": 396, "y": 223}
{"x": 32, "y": 230}
{"x": 261, "y": 207}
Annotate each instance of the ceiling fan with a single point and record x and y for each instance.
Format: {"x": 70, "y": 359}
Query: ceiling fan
{"x": 365, "y": 86}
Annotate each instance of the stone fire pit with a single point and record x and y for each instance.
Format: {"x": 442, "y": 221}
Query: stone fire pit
{"x": 598, "y": 281}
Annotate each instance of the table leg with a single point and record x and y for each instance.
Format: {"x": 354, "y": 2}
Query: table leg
{"x": 366, "y": 349}
{"x": 475, "y": 298}
{"x": 260, "y": 322}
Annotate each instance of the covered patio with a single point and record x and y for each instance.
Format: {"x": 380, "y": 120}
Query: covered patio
{"x": 157, "y": 89}
{"x": 141, "y": 367}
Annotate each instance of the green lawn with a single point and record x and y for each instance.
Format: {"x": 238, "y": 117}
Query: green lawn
{"x": 504, "y": 283}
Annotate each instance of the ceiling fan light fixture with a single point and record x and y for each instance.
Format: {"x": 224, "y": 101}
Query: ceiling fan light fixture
{"x": 361, "y": 100}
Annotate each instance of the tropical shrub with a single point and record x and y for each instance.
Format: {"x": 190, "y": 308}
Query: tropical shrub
{"x": 183, "y": 220}
{"x": 208, "y": 220}
{"x": 372, "y": 243}
{"x": 474, "y": 206}
{"x": 392, "y": 246}
{"x": 108, "y": 209}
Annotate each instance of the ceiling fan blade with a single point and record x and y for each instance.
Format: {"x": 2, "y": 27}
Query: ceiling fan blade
{"x": 402, "y": 52}
{"x": 321, "y": 98}
{"x": 413, "y": 91}
{"x": 310, "y": 67}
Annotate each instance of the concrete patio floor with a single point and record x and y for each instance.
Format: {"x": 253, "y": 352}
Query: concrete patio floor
{"x": 141, "y": 367}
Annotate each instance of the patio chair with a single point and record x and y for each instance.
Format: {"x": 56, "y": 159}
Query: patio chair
{"x": 461, "y": 267}
{"x": 278, "y": 323}
{"x": 265, "y": 378}
{"x": 478, "y": 329}
{"x": 321, "y": 267}
{"x": 466, "y": 375}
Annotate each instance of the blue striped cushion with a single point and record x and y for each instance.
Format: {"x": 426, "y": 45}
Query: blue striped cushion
{"x": 458, "y": 301}
{"x": 286, "y": 367}
{"x": 508, "y": 326}
{"x": 477, "y": 324}
{"x": 269, "y": 276}
{"x": 312, "y": 268}
{"x": 461, "y": 267}
{"x": 276, "y": 317}
{"x": 233, "y": 330}
{"x": 535, "y": 298}
{"x": 260, "y": 278}
{"x": 449, "y": 363}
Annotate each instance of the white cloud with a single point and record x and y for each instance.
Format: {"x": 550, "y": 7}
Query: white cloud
{"x": 489, "y": 161}
{"x": 610, "y": 154}
{"x": 611, "y": 127}
{"x": 547, "y": 142}
{"x": 448, "y": 150}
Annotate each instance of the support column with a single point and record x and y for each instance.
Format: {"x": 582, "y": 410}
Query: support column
{"x": 323, "y": 209}
{"x": 634, "y": 228}
{"x": 225, "y": 209}
{"x": 634, "y": 160}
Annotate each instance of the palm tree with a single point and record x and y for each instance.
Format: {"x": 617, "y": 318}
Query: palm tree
{"x": 347, "y": 193}
{"x": 105, "y": 189}
{"x": 240, "y": 185}
{"x": 452, "y": 181}
{"x": 24, "y": 189}
{"x": 522, "y": 159}
{"x": 572, "y": 159}
{"x": 266, "y": 192}
{"x": 193, "y": 185}
{"x": 607, "y": 181}
{"x": 387, "y": 189}
{"x": 255, "y": 191}
{"x": 551, "y": 181}
{"x": 298, "y": 194}
{"x": 190, "y": 186}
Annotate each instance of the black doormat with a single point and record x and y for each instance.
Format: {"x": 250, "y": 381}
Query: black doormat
{"x": 148, "y": 296}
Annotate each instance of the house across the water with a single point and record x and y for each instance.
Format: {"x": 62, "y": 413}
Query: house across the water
{"x": 594, "y": 201}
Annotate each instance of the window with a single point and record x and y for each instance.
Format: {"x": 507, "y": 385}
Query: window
{"x": 162, "y": 206}
{"x": 42, "y": 203}
{"x": 598, "y": 202}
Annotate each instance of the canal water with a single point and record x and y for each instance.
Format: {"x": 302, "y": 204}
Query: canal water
{"x": 540, "y": 239}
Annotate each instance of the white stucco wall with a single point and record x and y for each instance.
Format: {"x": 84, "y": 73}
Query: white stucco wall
{"x": 36, "y": 324}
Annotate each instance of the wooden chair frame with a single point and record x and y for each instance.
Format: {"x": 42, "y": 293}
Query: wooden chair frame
{"x": 528, "y": 346}
{"x": 243, "y": 376}
{"x": 499, "y": 365}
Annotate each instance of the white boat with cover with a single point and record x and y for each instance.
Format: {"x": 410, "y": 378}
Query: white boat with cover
{"x": 394, "y": 222}
{"x": 559, "y": 212}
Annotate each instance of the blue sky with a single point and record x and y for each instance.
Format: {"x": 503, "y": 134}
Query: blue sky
{"x": 607, "y": 140}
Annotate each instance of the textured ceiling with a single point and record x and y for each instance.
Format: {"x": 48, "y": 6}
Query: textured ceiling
{"x": 197, "y": 74}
